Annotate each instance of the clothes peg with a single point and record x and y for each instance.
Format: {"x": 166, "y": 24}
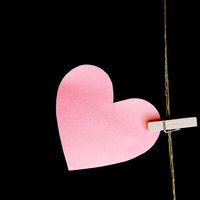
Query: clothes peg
{"x": 172, "y": 124}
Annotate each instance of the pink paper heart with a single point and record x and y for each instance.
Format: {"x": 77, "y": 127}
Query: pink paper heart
{"x": 94, "y": 131}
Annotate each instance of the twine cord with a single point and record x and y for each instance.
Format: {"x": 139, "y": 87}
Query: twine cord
{"x": 167, "y": 99}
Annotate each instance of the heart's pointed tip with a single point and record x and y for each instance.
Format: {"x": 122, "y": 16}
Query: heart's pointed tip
{"x": 78, "y": 168}
{"x": 72, "y": 169}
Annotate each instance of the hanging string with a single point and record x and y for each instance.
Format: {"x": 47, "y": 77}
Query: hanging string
{"x": 167, "y": 97}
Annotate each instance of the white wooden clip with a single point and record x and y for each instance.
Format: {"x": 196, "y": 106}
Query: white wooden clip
{"x": 172, "y": 124}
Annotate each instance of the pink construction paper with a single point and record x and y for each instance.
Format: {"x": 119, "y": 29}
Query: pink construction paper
{"x": 94, "y": 131}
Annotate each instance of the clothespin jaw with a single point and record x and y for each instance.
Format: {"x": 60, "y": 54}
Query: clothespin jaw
{"x": 172, "y": 124}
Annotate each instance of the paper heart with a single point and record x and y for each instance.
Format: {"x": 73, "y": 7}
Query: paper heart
{"x": 94, "y": 131}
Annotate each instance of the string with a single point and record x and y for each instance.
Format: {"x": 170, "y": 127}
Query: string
{"x": 167, "y": 98}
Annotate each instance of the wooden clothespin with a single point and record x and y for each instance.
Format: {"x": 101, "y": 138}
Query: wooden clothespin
{"x": 172, "y": 124}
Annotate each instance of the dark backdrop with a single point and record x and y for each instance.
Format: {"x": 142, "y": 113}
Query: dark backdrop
{"x": 126, "y": 40}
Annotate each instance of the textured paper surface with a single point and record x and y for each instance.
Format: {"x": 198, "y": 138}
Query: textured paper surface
{"x": 93, "y": 130}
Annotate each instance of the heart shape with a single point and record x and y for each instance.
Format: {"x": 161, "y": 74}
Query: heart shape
{"x": 94, "y": 131}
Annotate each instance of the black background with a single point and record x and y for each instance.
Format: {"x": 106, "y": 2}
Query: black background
{"x": 125, "y": 40}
